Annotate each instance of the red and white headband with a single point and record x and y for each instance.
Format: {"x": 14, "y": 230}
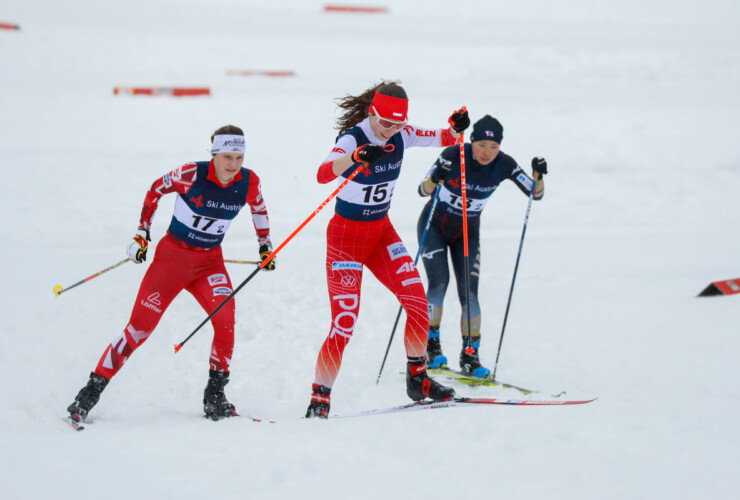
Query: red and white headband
{"x": 390, "y": 108}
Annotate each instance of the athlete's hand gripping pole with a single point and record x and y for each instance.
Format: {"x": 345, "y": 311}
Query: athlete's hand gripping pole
{"x": 280, "y": 247}
{"x": 59, "y": 289}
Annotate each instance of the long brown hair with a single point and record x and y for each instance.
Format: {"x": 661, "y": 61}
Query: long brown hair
{"x": 356, "y": 107}
{"x": 227, "y": 130}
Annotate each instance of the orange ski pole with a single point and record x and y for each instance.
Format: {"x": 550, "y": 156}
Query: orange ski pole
{"x": 275, "y": 252}
{"x": 469, "y": 349}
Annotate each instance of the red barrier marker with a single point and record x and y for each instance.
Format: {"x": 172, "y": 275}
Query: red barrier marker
{"x": 724, "y": 287}
{"x": 236, "y": 72}
{"x": 356, "y": 9}
{"x": 166, "y": 91}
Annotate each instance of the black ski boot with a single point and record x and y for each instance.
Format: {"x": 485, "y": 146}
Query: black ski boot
{"x": 320, "y": 401}
{"x": 435, "y": 358}
{"x": 470, "y": 363}
{"x": 420, "y": 386}
{"x": 87, "y": 397}
{"x": 215, "y": 404}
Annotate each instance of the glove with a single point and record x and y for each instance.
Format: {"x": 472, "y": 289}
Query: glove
{"x": 367, "y": 153}
{"x": 441, "y": 170}
{"x": 539, "y": 165}
{"x": 459, "y": 120}
{"x": 136, "y": 250}
{"x": 265, "y": 251}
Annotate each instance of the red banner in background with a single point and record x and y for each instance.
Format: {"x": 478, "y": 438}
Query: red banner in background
{"x": 163, "y": 91}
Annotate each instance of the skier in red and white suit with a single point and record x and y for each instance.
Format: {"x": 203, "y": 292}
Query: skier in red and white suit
{"x": 210, "y": 195}
{"x": 374, "y": 134}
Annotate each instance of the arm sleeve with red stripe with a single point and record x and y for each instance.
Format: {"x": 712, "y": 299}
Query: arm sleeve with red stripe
{"x": 259, "y": 208}
{"x": 179, "y": 180}
{"x": 344, "y": 145}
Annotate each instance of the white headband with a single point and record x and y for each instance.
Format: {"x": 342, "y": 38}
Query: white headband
{"x": 228, "y": 144}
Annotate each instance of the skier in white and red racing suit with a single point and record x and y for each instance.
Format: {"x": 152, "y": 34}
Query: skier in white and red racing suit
{"x": 374, "y": 134}
{"x": 189, "y": 257}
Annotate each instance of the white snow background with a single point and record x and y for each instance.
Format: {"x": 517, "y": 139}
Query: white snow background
{"x": 635, "y": 106}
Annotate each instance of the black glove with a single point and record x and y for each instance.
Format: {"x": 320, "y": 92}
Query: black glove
{"x": 265, "y": 251}
{"x": 136, "y": 250}
{"x": 539, "y": 165}
{"x": 367, "y": 153}
{"x": 459, "y": 120}
{"x": 441, "y": 170}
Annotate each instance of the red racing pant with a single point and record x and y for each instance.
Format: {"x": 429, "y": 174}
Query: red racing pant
{"x": 174, "y": 268}
{"x": 351, "y": 246}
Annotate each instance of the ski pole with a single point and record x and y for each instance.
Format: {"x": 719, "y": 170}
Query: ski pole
{"x": 231, "y": 261}
{"x": 275, "y": 252}
{"x": 418, "y": 253}
{"x": 516, "y": 267}
{"x": 468, "y": 350}
{"x": 59, "y": 289}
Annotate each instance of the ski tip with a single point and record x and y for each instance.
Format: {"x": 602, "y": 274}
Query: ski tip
{"x": 75, "y": 422}
{"x": 177, "y": 348}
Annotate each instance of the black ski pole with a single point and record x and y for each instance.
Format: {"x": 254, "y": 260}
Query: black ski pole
{"x": 513, "y": 279}
{"x": 418, "y": 253}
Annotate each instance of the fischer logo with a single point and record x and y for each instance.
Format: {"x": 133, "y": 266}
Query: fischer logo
{"x": 152, "y": 302}
{"x": 348, "y": 303}
{"x": 397, "y": 250}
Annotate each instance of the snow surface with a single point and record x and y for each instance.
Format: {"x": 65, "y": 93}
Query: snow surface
{"x": 633, "y": 103}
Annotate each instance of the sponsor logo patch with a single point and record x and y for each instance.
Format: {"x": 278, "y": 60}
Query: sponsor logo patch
{"x": 407, "y": 267}
{"x": 217, "y": 279}
{"x": 222, "y": 290}
{"x": 397, "y": 250}
{"x": 152, "y": 302}
{"x": 411, "y": 281}
{"x": 345, "y": 266}
{"x": 349, "y": 281}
